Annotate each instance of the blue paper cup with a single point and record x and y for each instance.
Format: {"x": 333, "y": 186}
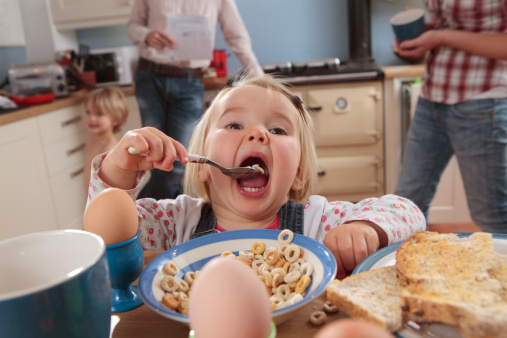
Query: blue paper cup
{"x": 408, "y": 25}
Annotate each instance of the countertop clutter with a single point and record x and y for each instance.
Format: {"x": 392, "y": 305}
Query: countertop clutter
{"x": 77, "y": 97}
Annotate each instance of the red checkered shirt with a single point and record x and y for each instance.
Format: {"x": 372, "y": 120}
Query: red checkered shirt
{"x": 453, "y": 75}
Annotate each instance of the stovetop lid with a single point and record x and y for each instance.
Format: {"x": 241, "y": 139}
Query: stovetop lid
{"x": 284, "y": 68}
{"x": 323, "y": 70}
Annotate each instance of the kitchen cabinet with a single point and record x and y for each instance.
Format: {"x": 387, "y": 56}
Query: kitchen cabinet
{"x": 43, "y": 165}
{"x": 449, "y": 204}
{"x": 27, "y": 205}
{"x": 77, "y": 14}
{"x": 348, "y": 119}
{"x": 63, "y": 136}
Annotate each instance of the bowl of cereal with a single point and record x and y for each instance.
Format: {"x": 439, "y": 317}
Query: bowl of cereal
{"x": 296, "y": 266}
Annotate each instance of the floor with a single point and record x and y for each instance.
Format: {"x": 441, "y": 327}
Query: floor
{"x": 457, "y": 227}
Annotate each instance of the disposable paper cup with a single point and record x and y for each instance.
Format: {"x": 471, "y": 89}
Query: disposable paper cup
{"x": 408, "y": 25}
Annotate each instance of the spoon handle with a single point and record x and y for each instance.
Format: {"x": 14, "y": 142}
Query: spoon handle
{"x": 196, "y": 158}
{"x": 191, "y": 157}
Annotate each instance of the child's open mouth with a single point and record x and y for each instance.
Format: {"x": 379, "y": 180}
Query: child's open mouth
{"x": 257, "y": 183}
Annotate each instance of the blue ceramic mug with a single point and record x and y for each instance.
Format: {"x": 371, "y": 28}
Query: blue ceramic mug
{"x": 408, "y": 25}
{"x": 55, "y": 284}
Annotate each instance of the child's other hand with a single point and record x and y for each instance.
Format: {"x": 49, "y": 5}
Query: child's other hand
{"x": 350, "y": 243}
{"x": 120, "y": 167}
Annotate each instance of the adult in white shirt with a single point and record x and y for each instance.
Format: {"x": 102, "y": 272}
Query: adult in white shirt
{"x": 170, "y": 94}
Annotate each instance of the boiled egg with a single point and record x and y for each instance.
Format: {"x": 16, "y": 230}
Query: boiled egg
{"x": 229, "y": 300}
{"x": 112, "y": 215}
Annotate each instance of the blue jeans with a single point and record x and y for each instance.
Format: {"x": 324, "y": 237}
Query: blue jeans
{"x": 172, "y": 105}
{"x": 476, "y": 132}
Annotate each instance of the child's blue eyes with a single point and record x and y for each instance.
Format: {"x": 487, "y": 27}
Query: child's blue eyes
{"x": 233, "y": 126}
{"x": 275, "y": 131}
{"x": 278, "y": 131}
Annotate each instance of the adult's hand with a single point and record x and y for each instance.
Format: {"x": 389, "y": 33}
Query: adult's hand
{"x": 159, "y": 39}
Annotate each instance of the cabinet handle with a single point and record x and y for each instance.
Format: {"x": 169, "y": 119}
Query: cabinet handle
{"x": 76, "y": 173}
{"x": 75, "y": 150}
{"x": 314, "y": 109}
{"x": 71, "y": 121}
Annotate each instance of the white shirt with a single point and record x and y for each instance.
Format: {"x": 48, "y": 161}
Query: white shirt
{"x": 148, "y": 15}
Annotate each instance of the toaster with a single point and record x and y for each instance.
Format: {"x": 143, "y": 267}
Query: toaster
{"x": 36, "y": 79}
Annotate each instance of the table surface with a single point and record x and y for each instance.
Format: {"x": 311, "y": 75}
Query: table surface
{"x": 144, "y": 322}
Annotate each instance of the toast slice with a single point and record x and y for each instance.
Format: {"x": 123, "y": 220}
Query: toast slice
{"x": 457, "y": 281}
{"x": 372, "y": 295}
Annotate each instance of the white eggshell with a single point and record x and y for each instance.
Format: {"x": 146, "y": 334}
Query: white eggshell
{"x": 112, "y": 215}
{"x": 229, "y": 300}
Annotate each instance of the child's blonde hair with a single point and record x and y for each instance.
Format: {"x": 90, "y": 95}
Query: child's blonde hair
{"x": 308, "y": 164}
{"x": 110, "y": 101}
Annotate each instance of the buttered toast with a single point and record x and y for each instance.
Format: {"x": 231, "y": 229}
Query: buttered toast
{"x": 439, "y": 278}
{"x": 453, "y": 280}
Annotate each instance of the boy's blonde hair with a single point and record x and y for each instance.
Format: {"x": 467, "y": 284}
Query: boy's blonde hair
{"x": 111, "y": 101}
{"x": 308, "y": 164}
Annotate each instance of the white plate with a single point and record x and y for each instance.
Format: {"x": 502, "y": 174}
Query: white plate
{"x": 192, "y": 255}
{"x": 387, "y": 257}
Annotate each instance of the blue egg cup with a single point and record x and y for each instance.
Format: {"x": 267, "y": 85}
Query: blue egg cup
{"x": 126, "y": 261}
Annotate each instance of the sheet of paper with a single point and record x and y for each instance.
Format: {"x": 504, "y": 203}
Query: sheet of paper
{"x": 192, "y": 36}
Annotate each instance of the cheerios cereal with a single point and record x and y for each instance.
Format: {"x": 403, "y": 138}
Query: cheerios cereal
{"x": 283, "y": 270}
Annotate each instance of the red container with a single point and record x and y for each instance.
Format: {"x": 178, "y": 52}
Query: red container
{"x": 219, "y": 62}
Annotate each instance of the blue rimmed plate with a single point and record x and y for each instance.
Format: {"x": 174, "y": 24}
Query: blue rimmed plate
{"x": 387, "y": 257}
{"x": 192, "y": 255}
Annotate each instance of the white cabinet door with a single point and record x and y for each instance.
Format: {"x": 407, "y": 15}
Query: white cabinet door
{"x": 74, "y": 14}
{"x": 26, "y": 196}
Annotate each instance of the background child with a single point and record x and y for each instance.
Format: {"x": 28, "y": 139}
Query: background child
{"x": 106, "y": 110}
{"x": 257, "y": 121}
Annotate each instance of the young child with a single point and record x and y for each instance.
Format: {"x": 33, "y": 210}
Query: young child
{"x": 256, "y": 121}
{"x": 106, "y": 110}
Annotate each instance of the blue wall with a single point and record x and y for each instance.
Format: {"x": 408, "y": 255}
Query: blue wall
{"x": 290, "y": 30}
{"x": 281, "y": 30}
{"x": 8, "y": 56}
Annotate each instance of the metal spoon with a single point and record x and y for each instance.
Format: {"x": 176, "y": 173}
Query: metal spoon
{"x": 236, "y": 172}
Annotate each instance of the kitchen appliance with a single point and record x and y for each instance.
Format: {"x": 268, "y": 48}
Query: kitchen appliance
{"x": 360, "y": 67}
{"x": 346, "y": 102}
{"x": 37, "y": 79}
{"x": 112, "y": 66}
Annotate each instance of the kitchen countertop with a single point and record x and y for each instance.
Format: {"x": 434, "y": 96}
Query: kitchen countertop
{"x": 209, "y": 83}
{"x": 76, "y": 98}
{"x": 391, "y": 72}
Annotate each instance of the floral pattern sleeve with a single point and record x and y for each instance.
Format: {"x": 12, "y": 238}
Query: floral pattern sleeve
{"x": 397, "y": 216}
{"x": 163, "y": 223}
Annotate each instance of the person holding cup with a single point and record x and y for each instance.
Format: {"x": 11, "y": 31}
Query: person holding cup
{"x": 462, "y": 109}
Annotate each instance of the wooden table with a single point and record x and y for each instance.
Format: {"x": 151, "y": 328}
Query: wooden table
{"x": 143, "y": 322}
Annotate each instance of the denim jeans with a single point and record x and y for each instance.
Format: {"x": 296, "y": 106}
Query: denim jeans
{"x": 172, "y": 105}
{"x": 476, "y": 132}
